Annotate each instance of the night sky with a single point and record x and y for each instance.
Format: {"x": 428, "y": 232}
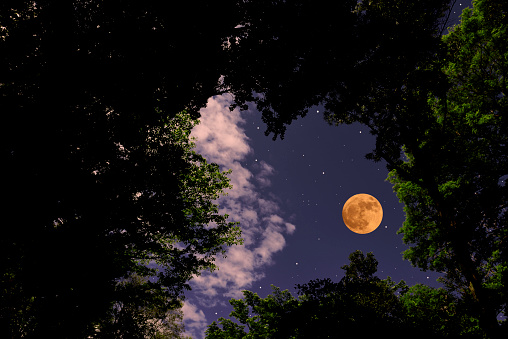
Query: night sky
{"x": 288, "y": 196}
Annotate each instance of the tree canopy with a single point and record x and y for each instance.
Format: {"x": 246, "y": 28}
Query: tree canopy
{"x": 452, "y": 183}
{"x": 355, "y": 57}
{"x": 141, "y": 311}
{"x": 101, "y": 180}
{"x": 360, "y": 304}
{"x": 146, "y": 210}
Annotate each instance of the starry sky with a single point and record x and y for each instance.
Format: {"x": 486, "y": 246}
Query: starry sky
{"x": 288, "y": 196}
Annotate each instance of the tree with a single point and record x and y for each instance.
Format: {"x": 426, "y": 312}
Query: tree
{"x": 451, "y": 183}
{"x": 436, "y": 311}
{"x": 360, "y": 304}
{"x": 264, "y": 317}
{"x": 355, "y": 57}
{"x": 146, "y": 204}
{"x": 130, "y": 55}
{"x": 100, "y": 176}
{"x": 141, "y": 311}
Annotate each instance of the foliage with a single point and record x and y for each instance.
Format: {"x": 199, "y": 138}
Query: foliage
{"x": 141, "y": 312}
{"x": 100, "y": 177}
{"x": 358, "y": 58}
{"x": 359, "y": 305}
{"x": 128, "y": 54}
{"x": 148, "y": 210}
{"x": 427, "y": 308}
{"x": 270, "y": 320}
{"x": 452, "y": 183}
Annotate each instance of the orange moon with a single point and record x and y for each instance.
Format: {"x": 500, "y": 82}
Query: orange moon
{"x": 362, "y": 213}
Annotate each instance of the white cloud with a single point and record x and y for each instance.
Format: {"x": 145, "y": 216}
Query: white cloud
{"x": 290, "y": 228}
{"x": 221, "y": 139}
{"x": 265, "y": 171}
{"x": 196, "y": 320}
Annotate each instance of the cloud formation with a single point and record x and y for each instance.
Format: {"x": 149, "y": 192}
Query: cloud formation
{"x": 222, "y": 140}
{"x": 195, "y": 319}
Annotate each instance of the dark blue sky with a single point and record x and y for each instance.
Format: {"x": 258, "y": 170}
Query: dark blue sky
{"x": 313, "y": 201}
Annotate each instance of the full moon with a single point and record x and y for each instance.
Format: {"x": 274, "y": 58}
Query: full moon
{"x": 362, "y": 213}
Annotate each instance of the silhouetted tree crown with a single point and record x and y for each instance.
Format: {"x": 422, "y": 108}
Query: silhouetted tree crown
{"x": 360, "y": 305}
